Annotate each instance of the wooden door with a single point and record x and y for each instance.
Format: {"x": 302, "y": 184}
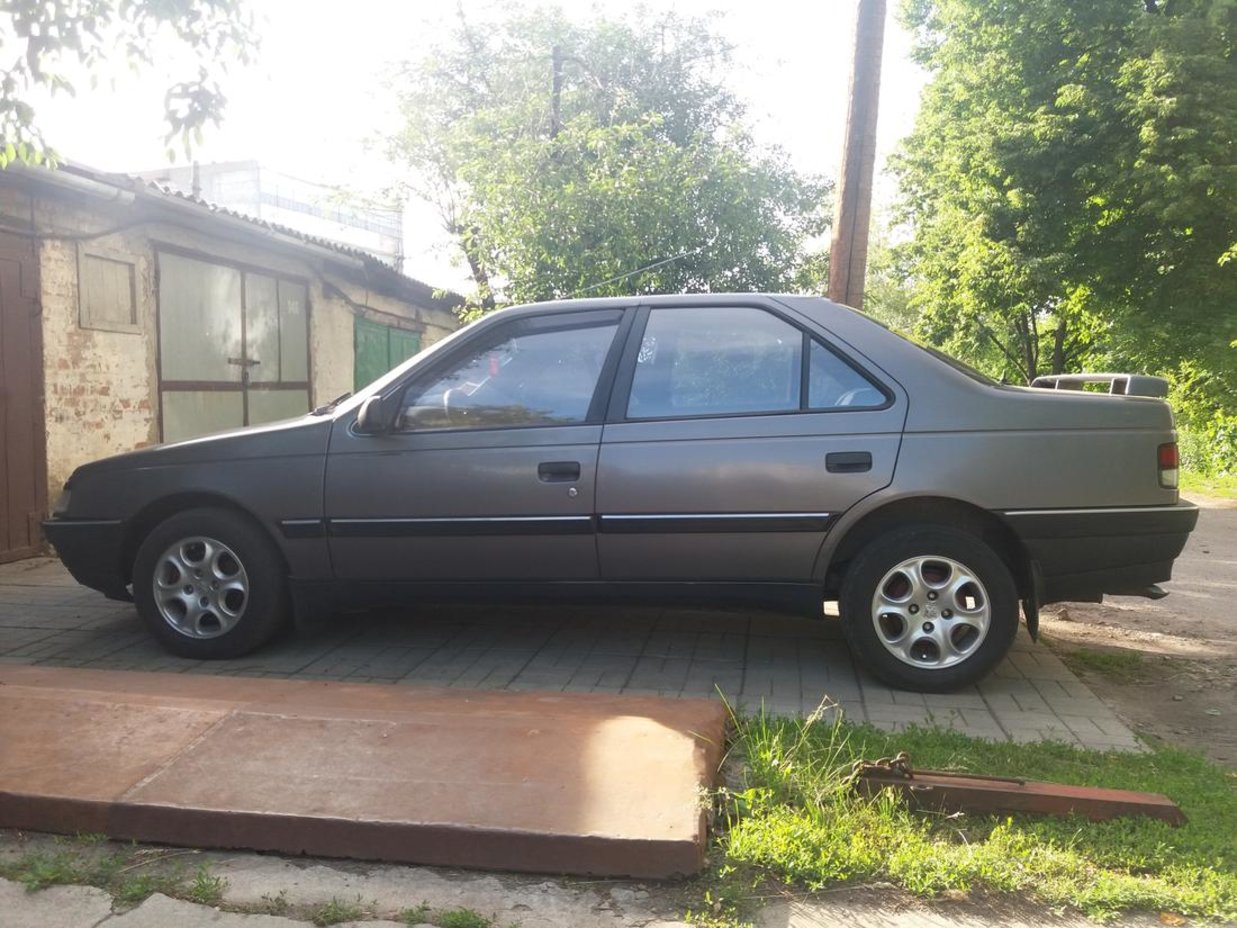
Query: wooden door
{"x": 23, "y": 467}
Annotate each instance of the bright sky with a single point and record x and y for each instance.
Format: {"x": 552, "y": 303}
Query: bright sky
{"x": 316, "y": 95}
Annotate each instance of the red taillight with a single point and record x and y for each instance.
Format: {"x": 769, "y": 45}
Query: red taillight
{"x": 1167, "y": 461}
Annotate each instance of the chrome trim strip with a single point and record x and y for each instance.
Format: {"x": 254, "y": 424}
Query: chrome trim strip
{"x": 1095, "y": 511}
{"x": 303, "y": 528}
{"x": 460, "y": 519}
{"x": 718, "y": 515}
{"x": 78, "y": 522}
{"x": 467, "y": 525}
{"x": 713, "y": 522}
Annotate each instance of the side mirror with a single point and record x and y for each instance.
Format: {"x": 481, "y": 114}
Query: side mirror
{"x": 372, "y": 419}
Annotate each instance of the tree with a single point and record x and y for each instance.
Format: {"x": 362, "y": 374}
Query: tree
{"x": 1070, "y": 183}
{"x": 602, "y": 158}
{"x": 44, "y": 41}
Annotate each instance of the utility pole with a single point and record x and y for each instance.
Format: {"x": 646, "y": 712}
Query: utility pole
{"x": 848, "y": 255}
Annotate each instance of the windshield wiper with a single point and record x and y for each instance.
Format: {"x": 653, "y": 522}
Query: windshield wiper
{"x": 323, "y": 410}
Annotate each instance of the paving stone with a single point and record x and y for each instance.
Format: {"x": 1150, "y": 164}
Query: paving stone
{"x": 786, "y": 662}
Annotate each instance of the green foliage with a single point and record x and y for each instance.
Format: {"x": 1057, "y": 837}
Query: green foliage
{"x": 1070, "y": 182}
{"x": 44, "y": 43}
{"x": 1205, "y": 404}
{"x": 798, "y": 819}
{"x": 631, "y": 172}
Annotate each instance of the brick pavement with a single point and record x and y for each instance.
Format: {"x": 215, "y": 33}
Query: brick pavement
{"x": 788, "y": 666}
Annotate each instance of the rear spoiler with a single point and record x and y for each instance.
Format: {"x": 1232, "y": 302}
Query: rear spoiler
{"x": 1119, "y": 384}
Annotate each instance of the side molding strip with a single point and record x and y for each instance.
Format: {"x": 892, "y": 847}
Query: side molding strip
{"x": 685, "y": 523}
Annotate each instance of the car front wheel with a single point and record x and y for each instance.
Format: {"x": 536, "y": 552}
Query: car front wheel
{"x": 929, "y": 609}
{"x": 209, "y": 584}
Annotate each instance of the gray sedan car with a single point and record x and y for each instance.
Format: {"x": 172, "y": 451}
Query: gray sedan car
{"x": 771, "y": 451}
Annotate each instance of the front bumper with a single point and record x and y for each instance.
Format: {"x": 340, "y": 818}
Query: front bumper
{"x": 93, "y": 551}
{"x": 1081, "y": 554}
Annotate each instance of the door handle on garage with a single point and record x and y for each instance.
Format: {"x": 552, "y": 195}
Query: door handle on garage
{"x": 848, "y": 462}
{"x": 558, "y": 471}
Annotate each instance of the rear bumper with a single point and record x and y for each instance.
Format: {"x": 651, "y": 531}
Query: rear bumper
{"x": 1081, "y": 554}
{"x": 92, "y": 551}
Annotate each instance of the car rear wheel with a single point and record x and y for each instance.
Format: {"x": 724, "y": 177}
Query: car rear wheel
{"x": 209, "y": 584}
{"x": 929, "y": 609}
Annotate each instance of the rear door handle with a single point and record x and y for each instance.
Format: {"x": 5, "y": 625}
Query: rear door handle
{"x": 848, "y": 462}
{"x": 558, "y": 471}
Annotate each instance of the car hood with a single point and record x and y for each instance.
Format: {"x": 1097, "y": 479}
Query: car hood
{"x": 304, "y": 435}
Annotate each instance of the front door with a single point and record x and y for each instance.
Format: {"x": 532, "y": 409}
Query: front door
{"x": 491, "y": 469}
{"x": 23, "y": 472}
{"x": 740, "y": 439}
{"x": 233, "y": 346}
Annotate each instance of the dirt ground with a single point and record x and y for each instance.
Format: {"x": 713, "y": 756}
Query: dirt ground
{"x": 1167, "y": 667}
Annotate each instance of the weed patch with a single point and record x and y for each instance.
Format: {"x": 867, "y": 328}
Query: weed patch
{"x": 462, "y": 918}
{"x": 337, "y": 911}
{"x": 417, "y": 915}
{"x": 206, "y": 889}
{"x": 795, "y": 818}
{"x": 130, "y": 875}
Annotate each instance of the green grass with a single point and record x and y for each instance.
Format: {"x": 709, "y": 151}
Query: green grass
{"x": 1223, "y": 486}
{"x": 137, "y": 888}
{"x": 130, "y": 875}
{"x": 462, "y": 918}
{"x": 337, "y": 911}
{"x": 206, "y": 889}
{"x": 797, "y": 820}
{"x": 1120, "y": 665}
{"x": 417, "y": 915}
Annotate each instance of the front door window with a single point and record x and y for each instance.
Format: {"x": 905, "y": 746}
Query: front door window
{"x": 522, "y": 379}
{"x": 233, "y": 347}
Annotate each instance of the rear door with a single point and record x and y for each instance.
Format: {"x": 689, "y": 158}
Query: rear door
{"x": 733, "y": 440}
{"x": 490, "y": 473}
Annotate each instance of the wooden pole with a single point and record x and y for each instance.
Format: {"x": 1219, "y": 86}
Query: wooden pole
{"x": 848, "y": 254}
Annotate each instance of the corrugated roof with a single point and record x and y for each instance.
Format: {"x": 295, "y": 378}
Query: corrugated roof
{"x": 154, "y": 190}
{"x": 349, "y": 250}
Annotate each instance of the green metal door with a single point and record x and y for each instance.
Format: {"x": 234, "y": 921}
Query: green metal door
{"x": 378, "y": 348}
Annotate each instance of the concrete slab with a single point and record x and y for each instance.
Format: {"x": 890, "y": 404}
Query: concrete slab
{"x": 160, "y": 912}
{"x": 586, "y": 783}
{"x": 55, "y": 907}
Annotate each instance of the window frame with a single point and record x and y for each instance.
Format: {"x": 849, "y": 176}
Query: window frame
{"x": 620, "y": 396}
{"x": 620, "y": 318}
{"x": 85, "y": 320}
{"x": 245, "y": 384}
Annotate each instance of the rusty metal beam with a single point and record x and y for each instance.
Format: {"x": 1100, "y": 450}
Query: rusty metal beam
{"x": 950, "y": 792}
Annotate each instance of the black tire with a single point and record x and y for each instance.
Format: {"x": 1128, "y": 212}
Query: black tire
{"x": 866, "y": 633}
{"x": 256, "y": 614}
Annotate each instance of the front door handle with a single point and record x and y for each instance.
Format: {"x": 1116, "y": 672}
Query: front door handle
{"x": 558, "y": 471}
{"x": 848, "y": 462}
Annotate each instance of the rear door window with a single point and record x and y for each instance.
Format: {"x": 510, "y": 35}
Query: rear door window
{"x": 739, "y": 360}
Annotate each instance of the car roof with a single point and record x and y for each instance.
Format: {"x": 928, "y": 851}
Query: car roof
{"x": 670, "y": 299}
